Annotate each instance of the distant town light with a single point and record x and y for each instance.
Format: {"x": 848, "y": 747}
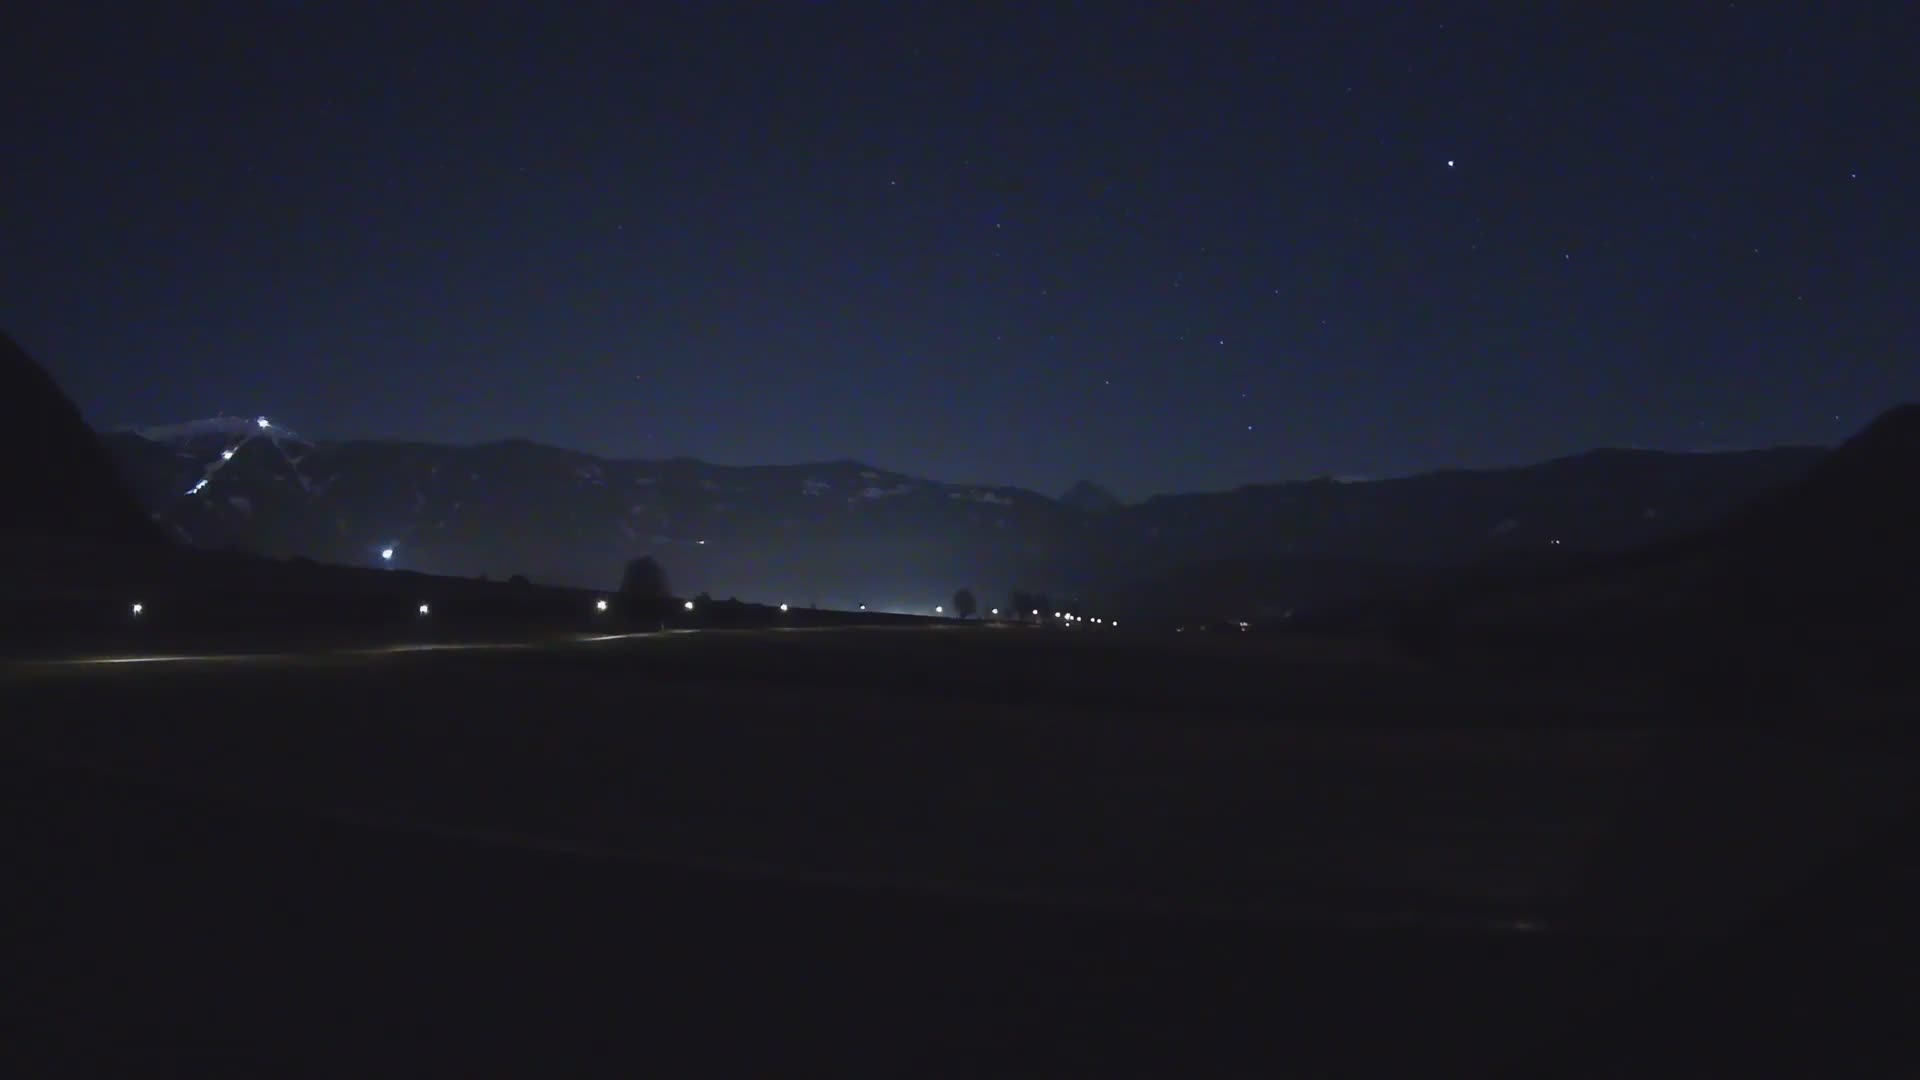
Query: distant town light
{"x": 863, "y": 607}
{"x": 689, "y": 605}
{"x": 386, "y": 553}
{"x": 599, "y": 605}
{"x": 425, "y": 610}
{"x": 138, "y": 607}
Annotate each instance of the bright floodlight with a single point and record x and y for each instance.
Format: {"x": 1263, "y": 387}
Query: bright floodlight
{"x": 386, "y": 553}
{"x": 689, "y": 605}
{"x": 263, "y": 422}
{"x": 599, "y": 605}
{"x": 783, "y": 607}
{"x": 424, "y": 609}
{"x": 138, "y": 608}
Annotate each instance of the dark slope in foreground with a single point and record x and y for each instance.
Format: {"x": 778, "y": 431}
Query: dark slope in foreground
{"x": 59, "y": 481}
{"x": 1823, "y": 569}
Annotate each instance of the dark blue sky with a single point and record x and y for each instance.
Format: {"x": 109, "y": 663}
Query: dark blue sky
{"x": 1022, "y": 244}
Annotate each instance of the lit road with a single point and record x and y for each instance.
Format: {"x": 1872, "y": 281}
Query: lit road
{"x": 317, "y": 654}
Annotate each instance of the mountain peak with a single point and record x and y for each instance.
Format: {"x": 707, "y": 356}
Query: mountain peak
{"x": 1091, "y": 497}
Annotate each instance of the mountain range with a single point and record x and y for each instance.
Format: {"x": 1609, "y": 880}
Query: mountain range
{"x": 843, "y": 533}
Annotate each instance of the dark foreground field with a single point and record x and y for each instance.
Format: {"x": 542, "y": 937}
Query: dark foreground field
{"x": 933, "y": 852}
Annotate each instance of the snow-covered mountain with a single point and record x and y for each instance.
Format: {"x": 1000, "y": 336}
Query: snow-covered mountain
{"x": 844, "y": 532}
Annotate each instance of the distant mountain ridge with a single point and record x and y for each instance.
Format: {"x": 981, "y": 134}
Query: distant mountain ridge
{"x": 843, "y": 532}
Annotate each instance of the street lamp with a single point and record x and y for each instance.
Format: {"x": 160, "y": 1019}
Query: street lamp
{"x": 138, "y": 607}
{"x": 425, "y": 610}
{"x": 783, "y": 607}
{"x": 689, "y": 605}
{"x": 599, "y": 605}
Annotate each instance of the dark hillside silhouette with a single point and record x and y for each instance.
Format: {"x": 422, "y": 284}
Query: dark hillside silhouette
{"x": 1819, "y": 575}
{"x": 59, "y": 480}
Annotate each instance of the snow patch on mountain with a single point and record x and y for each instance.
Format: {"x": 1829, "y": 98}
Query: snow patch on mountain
{"x": 230, "y": 426}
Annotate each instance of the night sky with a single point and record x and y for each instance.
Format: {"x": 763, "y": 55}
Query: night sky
{"x": 1020, "y": 244}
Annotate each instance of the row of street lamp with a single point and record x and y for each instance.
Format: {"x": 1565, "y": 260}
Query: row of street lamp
{"x": 601, "y": 605}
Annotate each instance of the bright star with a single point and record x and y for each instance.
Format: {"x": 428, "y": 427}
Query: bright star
{"x": 1449, "y": 163}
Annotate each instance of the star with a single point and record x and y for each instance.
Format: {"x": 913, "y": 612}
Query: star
{"x": 1449, "y": 163}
